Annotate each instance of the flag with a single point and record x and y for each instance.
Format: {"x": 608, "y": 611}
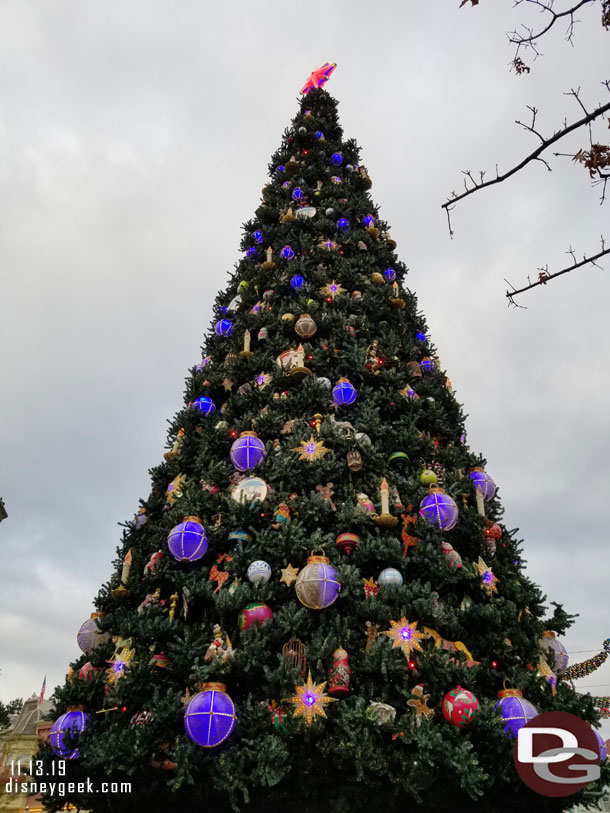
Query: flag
{"x": 42, "y": 691}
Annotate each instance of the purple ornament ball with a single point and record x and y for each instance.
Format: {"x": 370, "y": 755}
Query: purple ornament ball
{"x": 64, "y": 732}
{"x": 555, "y": 652}
{"x": 89, "y": 635}
{"x": 515, "y": 709}
{"x": 439, "y": 509}
{"x": 247, "y": 451}
{"x": 317, "y": 586}
{"x": 209, "y": 718}
{"x": 187, "y": 541}
{"x": 344, "y": 392}
{"x": 480, "y": 479}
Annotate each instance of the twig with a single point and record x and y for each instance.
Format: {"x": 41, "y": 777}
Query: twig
{"x": 534, "y": 156}
{"x": 544, "y": 276}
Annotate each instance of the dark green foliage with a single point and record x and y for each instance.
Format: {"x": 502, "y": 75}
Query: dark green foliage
{"x": 8, "y": 709}
{"x": 347, "y": 762}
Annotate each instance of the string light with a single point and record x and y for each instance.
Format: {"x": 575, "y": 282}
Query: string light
{"x": 585, "y": 668}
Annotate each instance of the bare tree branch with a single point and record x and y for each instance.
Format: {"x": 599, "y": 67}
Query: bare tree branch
{"x": 530, "y": 38}
{"x": 533, "y": 156}
{"x": 544, "y": 276}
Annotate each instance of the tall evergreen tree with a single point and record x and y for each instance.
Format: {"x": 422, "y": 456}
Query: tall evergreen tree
{"x": 319, "y": 434}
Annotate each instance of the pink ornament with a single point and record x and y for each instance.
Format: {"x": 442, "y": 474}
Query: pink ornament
{"x": 254, "y": 613}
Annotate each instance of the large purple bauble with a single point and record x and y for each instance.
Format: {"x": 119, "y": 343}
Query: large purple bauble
{"x": 90, "y": 636}
{"x": 603, "y": 749}
{"x": 344, "y": 392}
{"x": 439, "y": 509}
{"x": 65, "y": 728}
{"x": 187, "y": 541}
{"x": 555, "y": 652}
{"x": 482, "y": 480}
{"x": 515, "y": 709}
{"x": 210, "y": 717}
{"x": 247, "y": 451}
{"x": 317, "y": 586}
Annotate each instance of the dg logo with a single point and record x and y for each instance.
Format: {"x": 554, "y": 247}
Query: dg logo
{"x": 557, "y": 754}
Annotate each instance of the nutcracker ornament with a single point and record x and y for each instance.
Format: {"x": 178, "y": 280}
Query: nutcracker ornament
{"x": 339, "y": 674}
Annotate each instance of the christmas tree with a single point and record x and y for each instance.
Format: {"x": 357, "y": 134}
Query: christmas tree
{"x": 317, "y": 606}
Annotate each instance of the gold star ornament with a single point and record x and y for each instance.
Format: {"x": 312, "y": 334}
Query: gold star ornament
{"x": 332, "y": 289}
{"x": 311, "y": 449}
{"x": 289, "y": 575}
{"x": 489, "y": 580}
{"x": 310, "y": 700}
{"x": 405, "y": 636}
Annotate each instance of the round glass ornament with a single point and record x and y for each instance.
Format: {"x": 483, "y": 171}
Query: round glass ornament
{"x": 390, "y": 577}
{"x": 480, "y": 479}
{"x": 247, "y": 451}
{"x": 224, "y": 327}
{"x": 205, "y": 405}
{"x": 516, "y": 711}
{"x": 439, "y": 509}
{"x": 64, "y": 732}
{"x": 209, "y": 718}
{"x": 187, "y": 541}
{"x": 460, "y": 707}
{"x": 344, "y": 392}
{"x": 259, "y": 572}
{"x": 317, "y": 586}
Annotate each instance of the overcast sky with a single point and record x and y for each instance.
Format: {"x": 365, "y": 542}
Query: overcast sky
{"x": 134, "y": 141}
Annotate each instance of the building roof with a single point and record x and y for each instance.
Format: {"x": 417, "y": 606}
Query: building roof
{"x": 30, "y": 714}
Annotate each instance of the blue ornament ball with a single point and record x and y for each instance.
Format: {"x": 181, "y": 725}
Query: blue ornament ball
{"x": 257, "y": 236}
{"x": 319, "y": 135}
{"x": 343, "y": 223}
{"x": 337, "y": 159}
{"x": 188, "y": 541}
{"x": 205, "y": 405}
{"x": 247, "y": 451}
{"x": 297, "y": 282}
{"x": 287, "y": 253}
{"x": 420, "y": 337}
{"x": 251, "y": 252}
{"x": 439, "y": 509}
{"x": 297, "y": 193}
{"x": 390, "y": 274}
{"x": 224, "y": 327}
{"x": 279, "y": 169}
{"x": 390, "y": 577}
{"x": 344, "y": 392}
{"x": 368, "y": 220}
{"x": 209, "y": 718}
{"x": 480, "y": 479}
{"x": 427, "y": 366}
{"x": 515, "y": 709}
{"x": 64, "y": 731}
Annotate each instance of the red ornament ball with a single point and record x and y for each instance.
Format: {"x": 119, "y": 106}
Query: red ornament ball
{"x": 254, "y": 613}
{"x": 493, "y": 531}
{"x": 460, "y": 707}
